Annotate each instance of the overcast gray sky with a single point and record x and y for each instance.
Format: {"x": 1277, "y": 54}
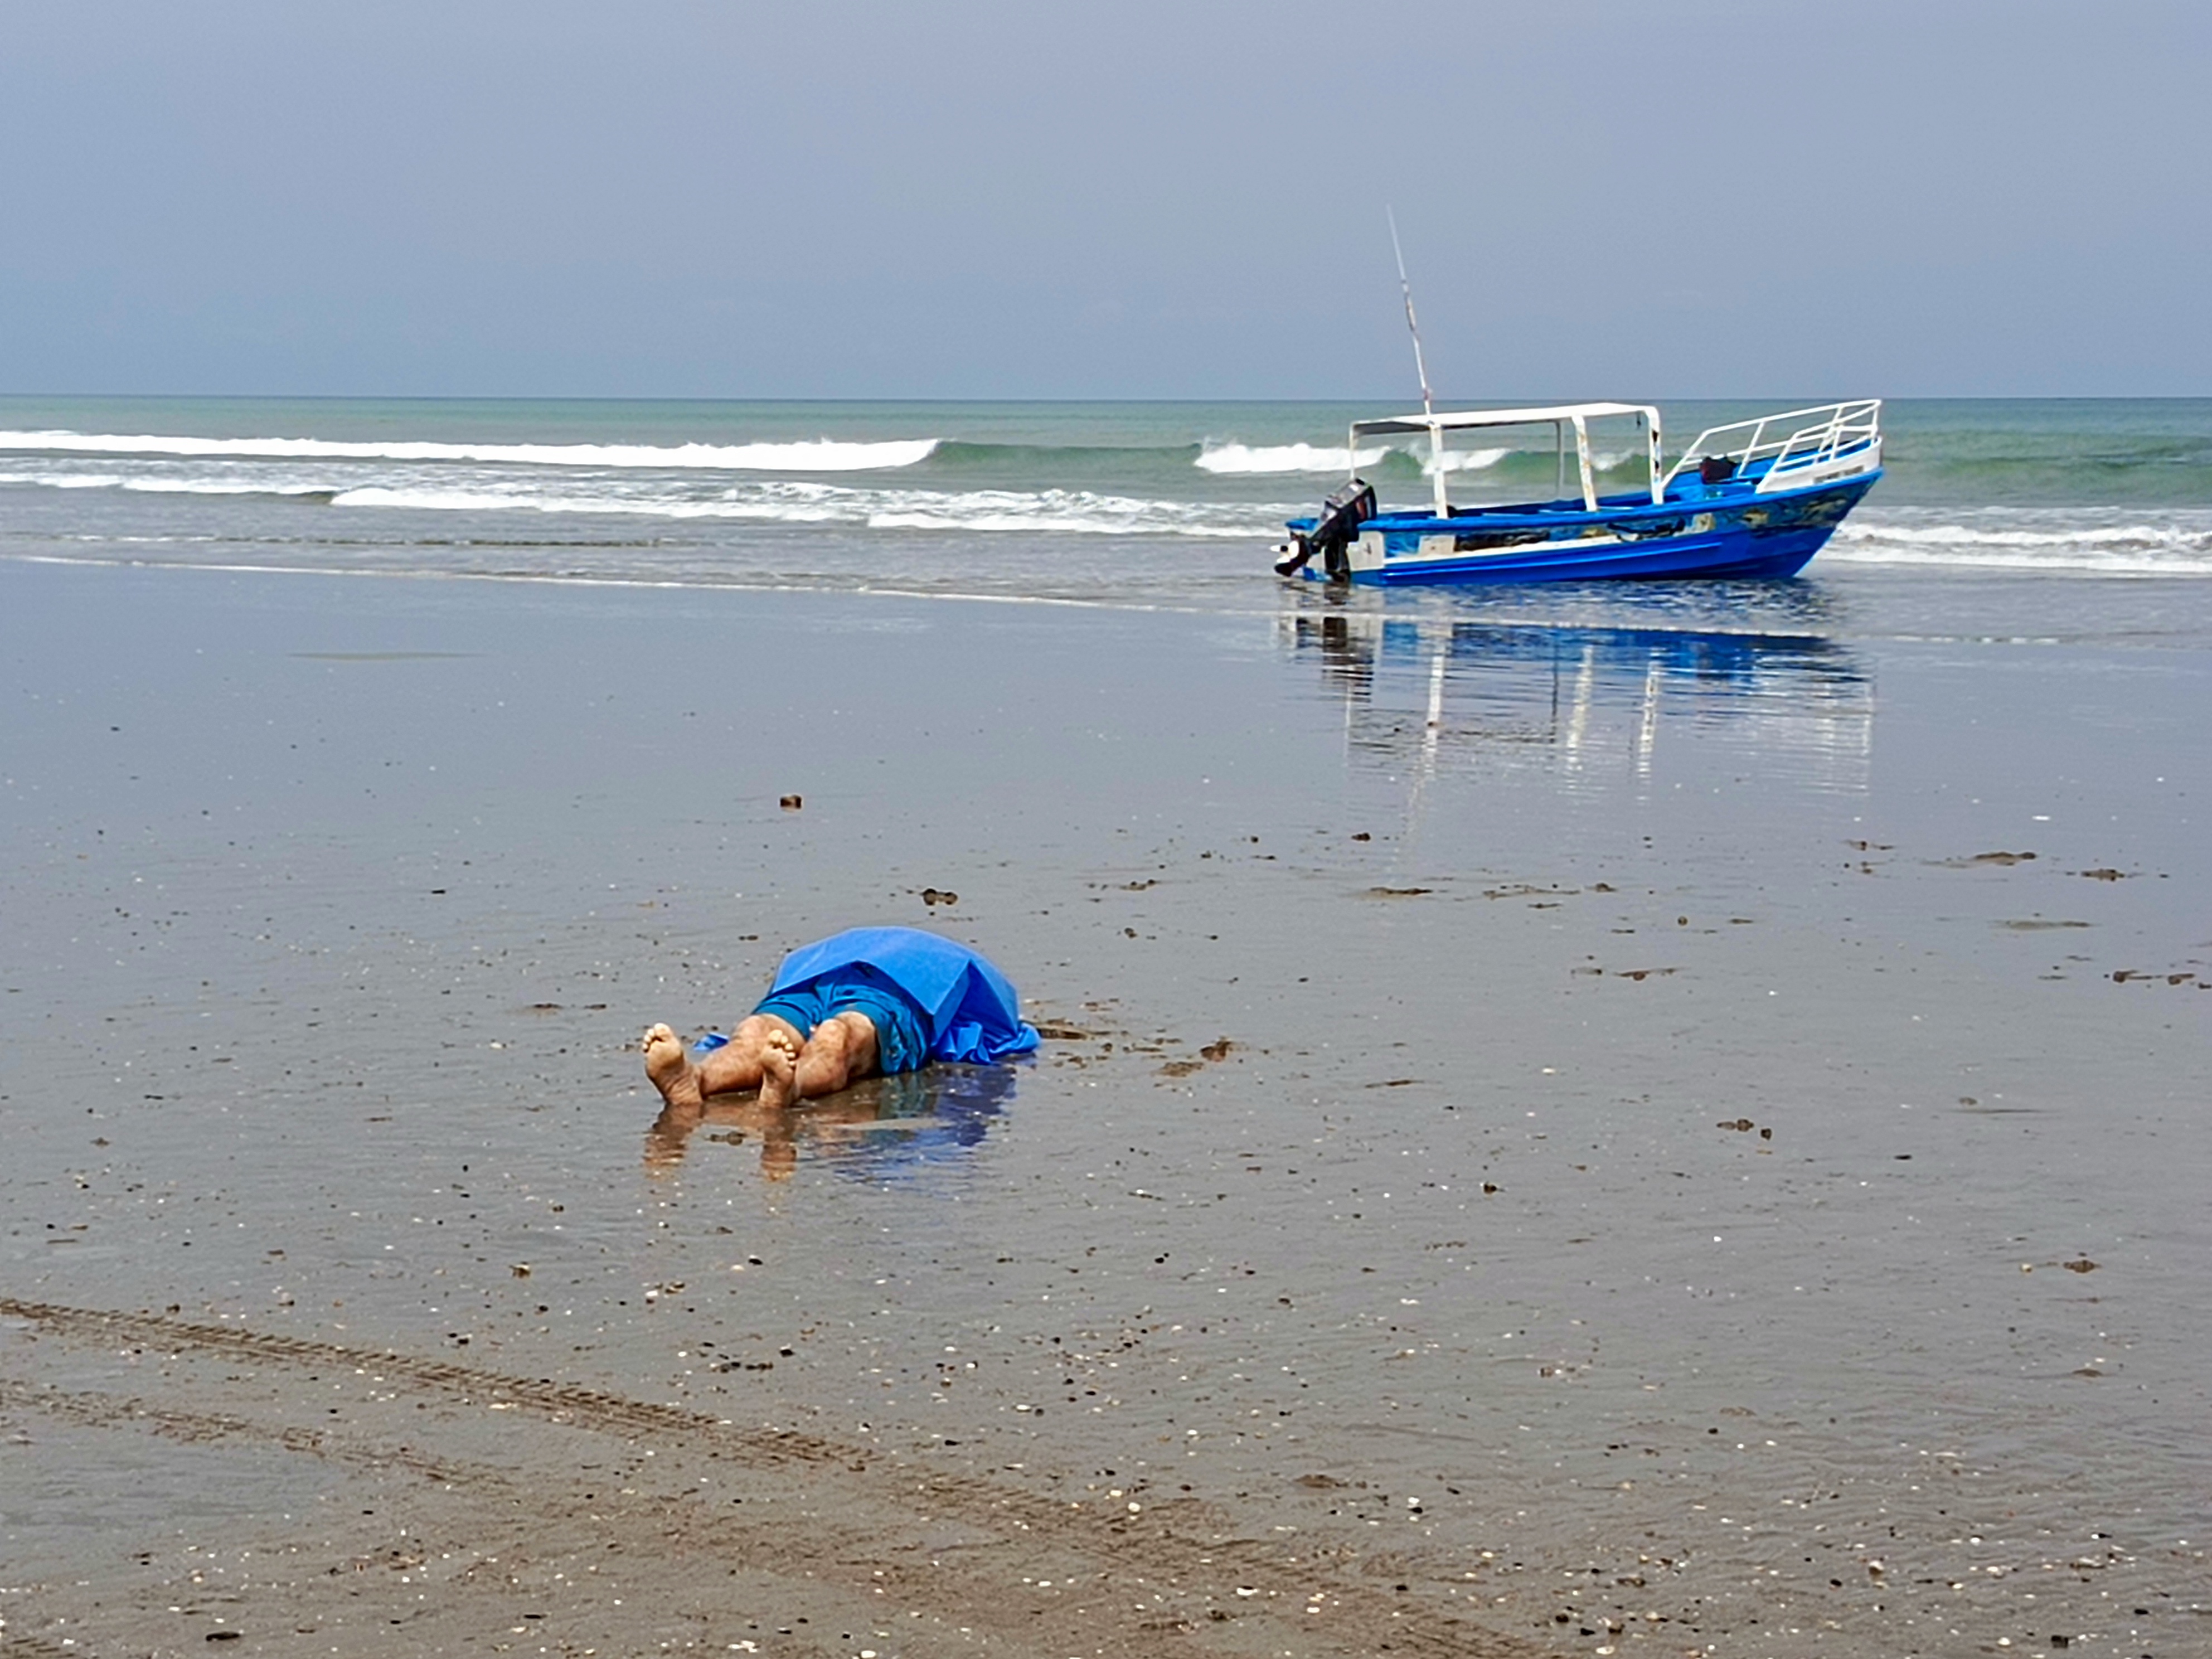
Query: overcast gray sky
{"x": 1679, "y": 197}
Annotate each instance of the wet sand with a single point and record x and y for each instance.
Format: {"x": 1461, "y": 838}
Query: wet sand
{"x": 1558, "y": 1139}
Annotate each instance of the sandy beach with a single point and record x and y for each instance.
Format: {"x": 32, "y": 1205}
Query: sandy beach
{"x": 1609, "y": 1138}
{"x": 1565, "y": 649}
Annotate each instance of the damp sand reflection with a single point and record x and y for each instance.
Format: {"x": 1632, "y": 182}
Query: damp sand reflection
{"x": 880, "y": 1129}
{"x": 1592, "y": 706}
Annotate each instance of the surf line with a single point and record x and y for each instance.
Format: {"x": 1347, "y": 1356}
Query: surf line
{"x": 794, "y": 455}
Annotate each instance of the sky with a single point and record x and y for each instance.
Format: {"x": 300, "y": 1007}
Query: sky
{"x": 538, "y": 197}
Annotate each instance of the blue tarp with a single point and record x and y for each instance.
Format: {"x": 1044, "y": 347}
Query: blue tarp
{"x": 969, "y": 1011}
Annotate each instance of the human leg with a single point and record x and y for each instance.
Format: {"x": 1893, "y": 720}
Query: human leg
{"x": 841, "y": 1050}
{"x": 684, "y": 1079}
{"x": 736, "y": 1065}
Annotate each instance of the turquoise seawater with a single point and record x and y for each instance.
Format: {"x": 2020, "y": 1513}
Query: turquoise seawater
{"x": 1165, "y": 504}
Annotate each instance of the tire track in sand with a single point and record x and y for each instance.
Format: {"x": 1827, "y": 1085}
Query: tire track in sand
{"x": 1183, "y": 1550}
{"x": 103, "y": 1411}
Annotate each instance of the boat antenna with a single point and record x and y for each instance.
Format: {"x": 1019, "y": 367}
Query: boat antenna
{"x": 1420, "y": 367}
{"x": 1413, "y": 323}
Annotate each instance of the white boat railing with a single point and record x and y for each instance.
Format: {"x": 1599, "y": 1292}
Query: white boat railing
{"x": 1828, "y": 432}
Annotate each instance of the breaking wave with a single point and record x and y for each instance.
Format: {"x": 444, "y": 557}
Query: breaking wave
{"x": 1065, "y": 511}
{"x": 1007, "y": 473}
{"x": 768, "y": 500}
{"x": 1236, "y": 458}
{"x": 1246, "y": 459}
{"x": 800, "y": 455}
{"x": 2058, "y": 541}
{"x": 1474, "y": 461}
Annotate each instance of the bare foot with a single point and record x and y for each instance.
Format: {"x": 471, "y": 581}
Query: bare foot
{"x": 670, "y": 1068}
{"x": 779, "y": 1071}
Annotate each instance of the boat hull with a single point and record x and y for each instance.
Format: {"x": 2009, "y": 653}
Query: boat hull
{"x": 1735, "y": 533}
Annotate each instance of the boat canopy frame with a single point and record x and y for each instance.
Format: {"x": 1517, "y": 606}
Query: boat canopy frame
{"x": 1559, "y": 417}
{"x": 1804, "y": 441}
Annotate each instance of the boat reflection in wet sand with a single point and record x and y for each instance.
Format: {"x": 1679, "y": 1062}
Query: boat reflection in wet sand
{"x": 1754, "y": 499}
{"x": 1590, "y": 701}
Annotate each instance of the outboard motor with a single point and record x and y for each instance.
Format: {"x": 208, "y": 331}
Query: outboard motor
{"x": 1338, "y": 522}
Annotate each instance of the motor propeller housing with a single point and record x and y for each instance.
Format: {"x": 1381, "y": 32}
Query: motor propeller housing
{"x": 1339, "y": 521}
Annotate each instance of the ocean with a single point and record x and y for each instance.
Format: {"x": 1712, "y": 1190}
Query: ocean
{"x": 1661, "y": 1119}
{"x": 1162, "y": 504}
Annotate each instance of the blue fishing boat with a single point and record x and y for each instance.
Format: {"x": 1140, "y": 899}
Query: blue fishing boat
{"x": 1754, "y": 498}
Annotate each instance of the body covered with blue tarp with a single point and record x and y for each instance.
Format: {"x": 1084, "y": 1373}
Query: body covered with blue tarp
{"x": 968, "y": 1009}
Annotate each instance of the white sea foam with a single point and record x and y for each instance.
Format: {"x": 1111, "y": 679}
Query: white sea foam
{"x": 802, "y": 455}
{"x": 1076, "y": 512}
{"x": 159, "y": 486}
{"x": 2139, "y": 536}
{"x": 768, "y": 500}
{"x": 66, "y": 480}
{"x": 1320, "y": 459}
{"x": 1236, "y": 458}
{"x": 781, "y": 506}
{"x": 1466, "y": 460}
{"x": 2057, "y": 541}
